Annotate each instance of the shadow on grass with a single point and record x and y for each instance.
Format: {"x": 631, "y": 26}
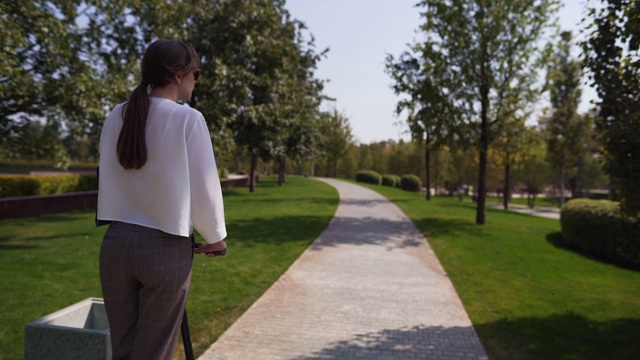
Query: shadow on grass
{"x": 444, "y": 226}
{"x": 11, "y": 243}
{"x": 566, "y": 336}
{"x": 276, "y": 230}
{"x": 341, "y": 230}
{"x": 454, "y": 204}
{"x": 4, "y": 246}
{"x": 81, "y": 223}
{"x": 418, "y": 342}
{"x": 555, "y": 239}
{"x": 251, "y": 201}
{"x": 50, "y": 218}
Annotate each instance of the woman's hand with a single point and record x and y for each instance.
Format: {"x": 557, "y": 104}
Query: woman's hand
{"x": 209, "y": 249}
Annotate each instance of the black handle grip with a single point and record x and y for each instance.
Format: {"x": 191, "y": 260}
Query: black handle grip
{"x": 222, "y": 252}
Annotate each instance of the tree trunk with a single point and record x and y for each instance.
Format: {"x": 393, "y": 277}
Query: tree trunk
{"x": 281, "y": 170}
{"x": 313, "y": 168}
{"x": 426, "y": 156}
{"x": 482, "y": 182}
{"x": 575, "y": 192}
{"x": 507, "y": 190}
{"x": 562, "y": 186}
{"x": 252, "y": 173}
{"x": 436, "y": 169}
{"x": 484, "y": 134}
{"x": 482, "y": 171}
{"x": 335, "y": 168}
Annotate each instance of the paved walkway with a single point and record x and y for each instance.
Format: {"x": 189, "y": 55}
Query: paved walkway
{"x": 547, "y": 212}
{"x": 369, "y": 287}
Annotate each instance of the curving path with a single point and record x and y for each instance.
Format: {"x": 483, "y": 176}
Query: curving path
{"x": 369, "y": 287}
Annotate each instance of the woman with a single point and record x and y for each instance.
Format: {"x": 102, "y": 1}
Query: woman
{"x": 158, "y": 180}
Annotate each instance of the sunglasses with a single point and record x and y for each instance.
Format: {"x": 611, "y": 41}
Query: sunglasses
{"x": 196, "y": 75}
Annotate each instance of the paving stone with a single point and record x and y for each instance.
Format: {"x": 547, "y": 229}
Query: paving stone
{"x": 369, "y": 287}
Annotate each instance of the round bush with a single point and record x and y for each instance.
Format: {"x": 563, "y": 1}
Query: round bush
{"x": 369, "y": 177}
{"x": 410, "y": 183}
{"x": 398, "y": 180}
{"x": 598, "y": 228}
{"x": 391, "y": 180}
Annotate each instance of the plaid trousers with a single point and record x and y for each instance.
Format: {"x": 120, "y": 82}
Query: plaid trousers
{"x": 145, "y": 276}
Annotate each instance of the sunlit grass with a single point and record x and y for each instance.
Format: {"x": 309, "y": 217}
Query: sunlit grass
{"x": 50, "y": 262}
{"x": 527, "y": 297}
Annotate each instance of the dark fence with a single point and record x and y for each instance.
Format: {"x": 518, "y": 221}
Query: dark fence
{"x": 24, "y": 206}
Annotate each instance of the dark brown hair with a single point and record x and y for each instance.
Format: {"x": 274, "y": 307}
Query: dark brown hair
{"x": 162, "y": 60}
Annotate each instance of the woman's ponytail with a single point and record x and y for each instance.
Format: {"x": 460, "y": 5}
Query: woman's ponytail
{"x": 132, "y": 146}
{"x": 162, "y": 60}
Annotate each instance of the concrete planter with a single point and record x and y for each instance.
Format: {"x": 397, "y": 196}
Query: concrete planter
{"x": 80, "y": 331}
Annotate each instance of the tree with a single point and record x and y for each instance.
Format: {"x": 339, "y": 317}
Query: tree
{"x": 70, "y": 61}
{"x": 565, "y": 139}
{"x": 35, "y": 50}
{"x": 42, "y": 71}
{"x": 462, "y": 167}
{"x": 365, "y": 160}
{"x": 337, "y": 138}
{"x": 611, "y": 54}
{"x": 441, "y": 165}
{"x": 491, "y": 52}
{"x": 510, "y": 142}
{"x": 254, "y": 59}
{"x": 586, "y": 169}
{"x": 299, "y": 97}
{"x": 533, "y": 169}
{"x": 429, "y": 107}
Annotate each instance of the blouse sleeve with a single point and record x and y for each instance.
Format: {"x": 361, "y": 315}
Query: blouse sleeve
{"x": 207, "y": 210}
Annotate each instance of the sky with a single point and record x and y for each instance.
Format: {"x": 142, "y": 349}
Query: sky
{"x": 359, "y": 35}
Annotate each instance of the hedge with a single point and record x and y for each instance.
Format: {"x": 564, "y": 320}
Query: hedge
{"x": 28, "y": 185}
{"x": 370, "y": 177}
{"x": 391, "y": 180}
{"x": 599, "y": 229}
{"x": 410, "y": 183}
{"x": 26, "y": 166}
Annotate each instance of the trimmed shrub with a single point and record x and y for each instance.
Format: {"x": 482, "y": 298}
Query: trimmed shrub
{"x": 368, "y": 176}
{"x": 223, "y": 173}
{"x": 26, "y": 166}
{"x": 29, "y": 185}
{"x": 410, "y": 183}
{"x": 398, "y": 180}
{"x": 391, "y": 180}
{"x": 599, "y": 229}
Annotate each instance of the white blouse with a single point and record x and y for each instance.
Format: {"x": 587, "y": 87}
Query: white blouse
{"x": 177, "y": 188}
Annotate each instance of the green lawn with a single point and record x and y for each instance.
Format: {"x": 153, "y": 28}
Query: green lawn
{"x": 50, "y": 262}
{"x": 527, "y": 298}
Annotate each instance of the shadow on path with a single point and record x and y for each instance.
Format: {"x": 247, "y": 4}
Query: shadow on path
{"x": 418, "y": 342}
{"x": 394, "y": 234}
{"x": 368, "y": 203}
